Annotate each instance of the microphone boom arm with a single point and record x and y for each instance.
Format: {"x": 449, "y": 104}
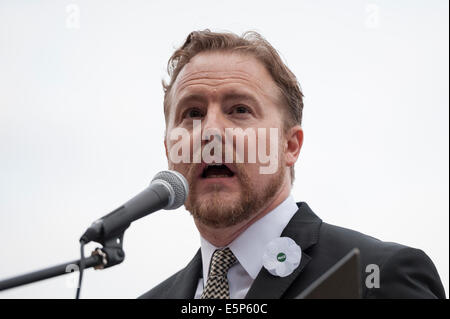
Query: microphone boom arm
{"x": 109, "y": 255}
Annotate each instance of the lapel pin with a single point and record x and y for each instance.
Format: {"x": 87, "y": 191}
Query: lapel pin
{"x": 282, "y": 256}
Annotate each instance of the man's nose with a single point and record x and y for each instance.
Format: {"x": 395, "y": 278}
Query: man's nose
{"x": 214, "y": 122}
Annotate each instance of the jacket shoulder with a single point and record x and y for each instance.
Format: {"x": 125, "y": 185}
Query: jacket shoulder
{"x": 181, "y": 285}
{"x": 404, "y": 272}
{"x": 339, "y": 239}
{"x": 160, "y": 291}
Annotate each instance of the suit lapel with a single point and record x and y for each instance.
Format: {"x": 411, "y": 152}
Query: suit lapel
{"x": 303, "y": 228}
{"x": 186, "y": 281}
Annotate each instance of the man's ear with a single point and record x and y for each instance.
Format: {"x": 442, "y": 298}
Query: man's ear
{"x": 165, "y": 147}
{"x": 294, "y": 142}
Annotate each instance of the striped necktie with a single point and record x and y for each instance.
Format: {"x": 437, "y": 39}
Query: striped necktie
{"x": 217, "y": 285}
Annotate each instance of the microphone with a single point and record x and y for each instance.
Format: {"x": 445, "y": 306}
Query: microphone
{"x": 167, "y": 190}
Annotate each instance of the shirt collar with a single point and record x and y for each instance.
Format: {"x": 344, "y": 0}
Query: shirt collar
{"x": 249, "y": 246}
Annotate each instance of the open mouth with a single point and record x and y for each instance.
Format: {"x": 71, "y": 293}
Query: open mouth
{"x": 217, "y": 171}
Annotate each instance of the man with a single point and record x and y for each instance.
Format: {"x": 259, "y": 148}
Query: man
{"x": 221, "y": 81}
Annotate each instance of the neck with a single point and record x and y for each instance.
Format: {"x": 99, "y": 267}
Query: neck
{"x": 221, "y": 237}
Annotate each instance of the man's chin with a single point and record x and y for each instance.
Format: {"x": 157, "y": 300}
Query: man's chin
{"x": 217, "y": 211}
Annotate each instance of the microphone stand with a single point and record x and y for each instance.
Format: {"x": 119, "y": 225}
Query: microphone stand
{"x": 109, "y": 255}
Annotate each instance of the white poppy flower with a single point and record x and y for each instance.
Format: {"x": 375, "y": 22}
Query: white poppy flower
{"x": 282, "y": 256}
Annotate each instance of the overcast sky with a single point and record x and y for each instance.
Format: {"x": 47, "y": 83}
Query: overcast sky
{"x": 81, "y": 125}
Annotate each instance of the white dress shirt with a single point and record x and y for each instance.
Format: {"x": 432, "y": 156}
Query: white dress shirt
{"x": 248, "y": 249}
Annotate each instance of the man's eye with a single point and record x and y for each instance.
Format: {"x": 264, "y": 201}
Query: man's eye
{"x": 241, "y": 109}
{"x": 193, "y": 113}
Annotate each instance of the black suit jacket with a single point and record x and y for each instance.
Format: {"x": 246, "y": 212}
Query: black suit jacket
{"x": 404, "y": 272}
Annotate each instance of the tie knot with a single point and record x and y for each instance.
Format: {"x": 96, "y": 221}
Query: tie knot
{"x": 222, "y": 260}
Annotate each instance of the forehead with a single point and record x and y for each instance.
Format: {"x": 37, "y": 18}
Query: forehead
{"x": 219, "y": 71}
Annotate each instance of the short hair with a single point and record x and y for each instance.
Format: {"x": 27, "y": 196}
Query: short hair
{"x": 252, "y": 43}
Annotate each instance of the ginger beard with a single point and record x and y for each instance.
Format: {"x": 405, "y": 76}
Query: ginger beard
{"x": 217, "y": 210}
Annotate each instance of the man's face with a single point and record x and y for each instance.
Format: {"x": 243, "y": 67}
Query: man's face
{"x": 226, "y": 91}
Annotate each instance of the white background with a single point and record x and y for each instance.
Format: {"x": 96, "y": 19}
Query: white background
{"x": 81, "y": 125}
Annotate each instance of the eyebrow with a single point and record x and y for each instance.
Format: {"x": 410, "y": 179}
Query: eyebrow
{"x": 240, "y": 96}
{"x": 190, "y": 99}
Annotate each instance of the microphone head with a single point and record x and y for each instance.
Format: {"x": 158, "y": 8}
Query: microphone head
{"x": 177, "y": 186}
